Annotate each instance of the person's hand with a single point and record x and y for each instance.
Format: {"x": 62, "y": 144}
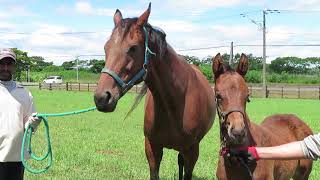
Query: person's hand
{"x": 249, "y": 154}
{"x": 33, "y": 122}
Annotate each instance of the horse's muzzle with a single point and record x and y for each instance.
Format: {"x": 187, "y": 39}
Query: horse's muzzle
{"x": 105, "y": 102}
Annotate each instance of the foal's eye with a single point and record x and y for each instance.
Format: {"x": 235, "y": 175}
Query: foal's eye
{"x": 132, "y": 49}
{"x": 219, "y": 98}
{"x": 248, "y": 98}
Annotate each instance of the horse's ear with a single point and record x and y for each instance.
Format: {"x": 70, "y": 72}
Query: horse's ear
{"x": 117, "y": 18}
{"x": 217, "y": 66}
{"x": 143, "y": 19}
{"x": 243, "y": 65}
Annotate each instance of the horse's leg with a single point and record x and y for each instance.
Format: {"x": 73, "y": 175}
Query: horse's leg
{"x": 180, "y": 163}
{"x": 190, "y": 159}
{"x": 154, "y": 155}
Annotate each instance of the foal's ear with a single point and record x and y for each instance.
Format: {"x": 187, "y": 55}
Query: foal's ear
{"x": 217, "y": 66}
{"x": 143, "y": 19}
{"x": 243, "y": 65}
{"x": 117, "y": 18}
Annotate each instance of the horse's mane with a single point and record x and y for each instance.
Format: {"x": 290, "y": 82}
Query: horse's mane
{"x": 156, "y": 35}
{"x": 158, "y": 45}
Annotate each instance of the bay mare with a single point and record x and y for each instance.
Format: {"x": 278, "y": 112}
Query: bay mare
{"x": 179, "y": 105}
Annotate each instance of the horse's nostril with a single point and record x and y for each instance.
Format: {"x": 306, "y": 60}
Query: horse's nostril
{"x": 108, "y": 95}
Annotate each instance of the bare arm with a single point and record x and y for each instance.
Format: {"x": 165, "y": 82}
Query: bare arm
{"x": 309, "y": 148}
{"x": 286, "y": 151}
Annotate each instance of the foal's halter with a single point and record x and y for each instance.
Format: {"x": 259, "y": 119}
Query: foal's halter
{"x": 223, "y": 116}
{"x": 124, "y": 87}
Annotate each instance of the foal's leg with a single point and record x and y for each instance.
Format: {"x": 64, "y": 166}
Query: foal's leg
{"x": 154, "y": 155}
{"x": 190, "y": 159}
{"x": 180, "y": 163}
{"x": 303, "y": 170}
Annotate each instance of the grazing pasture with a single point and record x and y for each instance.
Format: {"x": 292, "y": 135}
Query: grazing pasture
{"x": 88, "y": 146}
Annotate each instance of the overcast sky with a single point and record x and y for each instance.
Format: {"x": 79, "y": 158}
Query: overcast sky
{"x": 61, "y": 30}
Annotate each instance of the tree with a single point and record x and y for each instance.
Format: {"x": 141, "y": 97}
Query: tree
{"x": 22, "y": 62}
{"x": 295, "y": 65}
{"x": 68, "y": 65}
{"x": 38, "y": 63}
{"x": 96, "y": 65}
{"x": 192, "y": 60}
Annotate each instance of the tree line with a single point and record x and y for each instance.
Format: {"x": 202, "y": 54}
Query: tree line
{"x": 278, "y": 69}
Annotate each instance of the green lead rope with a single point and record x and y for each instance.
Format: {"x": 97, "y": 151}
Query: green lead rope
{"x": 27, "y": 137}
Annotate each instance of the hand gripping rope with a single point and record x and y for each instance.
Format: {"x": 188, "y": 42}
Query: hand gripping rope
{"x": 26, "y": 141}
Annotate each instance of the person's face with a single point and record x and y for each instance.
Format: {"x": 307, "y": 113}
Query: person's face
{"x": 7, "y": 68}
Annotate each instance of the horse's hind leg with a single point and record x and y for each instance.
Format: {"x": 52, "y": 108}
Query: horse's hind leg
{"x": 303, "y": 170}
{"x": 180, "y": 163}
{"x": 154, "y": 155}
{"x": 190, "y": 158}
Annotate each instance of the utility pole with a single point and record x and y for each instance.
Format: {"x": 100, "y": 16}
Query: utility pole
{"x": 264, "y": 87}
{"x": 77, "y": 59}
{"x": 231, "y": 55}
{"x": 28, "y": 73}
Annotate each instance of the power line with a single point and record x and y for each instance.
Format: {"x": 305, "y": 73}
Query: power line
{"x": 299, "y": 11}
{"x": 59, "y": 33}
{"x": 252, "y": 45}
{"x": 202, "y": 48}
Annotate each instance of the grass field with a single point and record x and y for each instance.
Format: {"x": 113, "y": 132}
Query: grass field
{"x": 105, "y": 146}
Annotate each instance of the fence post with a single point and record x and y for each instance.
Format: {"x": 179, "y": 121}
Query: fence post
{"x": 282, "y": 92}
{"x": 79, "y": 86}
{"x": 88, "y": 87}
{"x": 39, "y": 86}
{"x": 67, "y": 86}
{"x": 267, "y": 92}
{"x": 319, "y": 92}
{"x": 299, "y": 92}
{"x": 50, "y": 86}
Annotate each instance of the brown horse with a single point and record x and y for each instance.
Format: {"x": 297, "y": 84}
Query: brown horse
{"x": 237, "y": 131}
{"x": 179, "y": 106}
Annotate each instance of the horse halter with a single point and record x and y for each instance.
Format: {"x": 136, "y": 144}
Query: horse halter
{"x": 223, "y": 115}
{"x": 124, "y": 87}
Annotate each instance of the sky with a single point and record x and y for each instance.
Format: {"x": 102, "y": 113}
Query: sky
{"x": 63, "y": 30}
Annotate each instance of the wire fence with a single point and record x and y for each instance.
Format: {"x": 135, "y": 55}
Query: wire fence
{"x": 272, "y": 91}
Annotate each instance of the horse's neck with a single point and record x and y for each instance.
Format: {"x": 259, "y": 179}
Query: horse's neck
{"x": 168, "y": 78}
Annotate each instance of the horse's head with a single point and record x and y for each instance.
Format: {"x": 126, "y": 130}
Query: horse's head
{"x": 127, "y": 53}
{"x": 232, "y": 95}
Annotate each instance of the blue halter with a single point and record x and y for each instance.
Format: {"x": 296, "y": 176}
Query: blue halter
{"x": 142, "y": 73}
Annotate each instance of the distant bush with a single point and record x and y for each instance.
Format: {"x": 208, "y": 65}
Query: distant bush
{"x": 253, "y": 76}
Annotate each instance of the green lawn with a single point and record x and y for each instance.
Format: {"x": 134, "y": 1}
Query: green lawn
{"x": 105, "y": 146}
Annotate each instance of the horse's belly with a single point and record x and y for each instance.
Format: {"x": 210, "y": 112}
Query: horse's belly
{"x": 173, "y": 140}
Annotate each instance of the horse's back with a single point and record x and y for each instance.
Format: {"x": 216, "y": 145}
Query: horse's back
{"x": 290, "y": 128}
{"x": 287, "y": 124}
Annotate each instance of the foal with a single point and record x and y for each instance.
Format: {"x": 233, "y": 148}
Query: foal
{"x": 236, "y": 130}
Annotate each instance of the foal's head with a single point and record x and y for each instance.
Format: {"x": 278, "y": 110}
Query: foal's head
{"x": 232, "y": 95}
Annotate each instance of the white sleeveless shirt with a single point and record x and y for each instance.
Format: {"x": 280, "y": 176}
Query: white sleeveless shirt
{"x": 16, "y": 105}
